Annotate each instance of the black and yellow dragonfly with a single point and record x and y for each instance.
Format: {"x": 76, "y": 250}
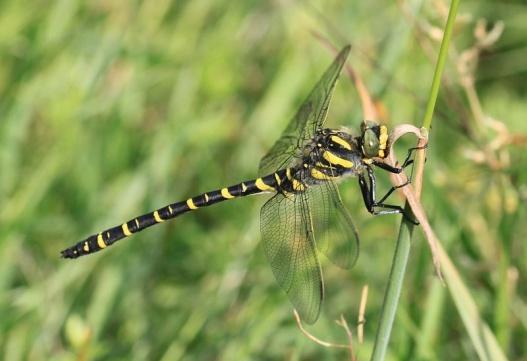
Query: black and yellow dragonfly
{"x": 305, "y": 212}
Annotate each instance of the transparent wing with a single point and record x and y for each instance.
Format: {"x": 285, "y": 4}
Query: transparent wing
{"x": 287, "y": 238}
{"x": 335, "y": 234}
{"x": 310, "y": 117}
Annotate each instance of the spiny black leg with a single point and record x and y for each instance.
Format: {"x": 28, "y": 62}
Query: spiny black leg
{"x": 368, "y": 195}
{"x": 373, "y": 185}
{"x": 406, "y": 163}
{"x": 407, "y": 160}
{"x": 388, "y": 208}
{"x": 368, "y": 191}
{"x": 389, "y": 193}
{"x": 387, "y": 167}
{"x": 393, "y": 209}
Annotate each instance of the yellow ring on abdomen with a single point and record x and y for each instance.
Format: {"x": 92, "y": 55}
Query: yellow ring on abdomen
{"x": 225, "y": 193}
{"x": 259, "y": 183}
{"x": 126, "y": 230}
{"x": 157, "y": 217}
{"x": 100, "y": 241}
{"x": 190, "y": 204}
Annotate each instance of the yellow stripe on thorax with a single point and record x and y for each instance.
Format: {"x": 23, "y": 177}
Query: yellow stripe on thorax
{"x": 225, "y": 193}
{"x": 259, "y": 183}
{"x": 315, "y": 173}
{"x": 335, "y": 160}
{"x": 322, "y": 165}
{"x": 190, "y": 204}
{"x": 157, "y": 217}
{"x": 344, "y": 144}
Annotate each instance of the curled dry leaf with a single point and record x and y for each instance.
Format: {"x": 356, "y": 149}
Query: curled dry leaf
{"x": 412, "y": 191}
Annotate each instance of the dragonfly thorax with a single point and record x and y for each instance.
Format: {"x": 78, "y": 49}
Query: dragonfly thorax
{"x": 331, "y": 154}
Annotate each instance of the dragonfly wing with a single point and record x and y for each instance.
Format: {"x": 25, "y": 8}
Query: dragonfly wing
{"x": 335, "y": 233}
{"x": 310, "y": 116}
{"x": 287, "y": 238}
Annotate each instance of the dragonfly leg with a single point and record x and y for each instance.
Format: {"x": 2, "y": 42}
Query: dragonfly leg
{"x": 389, "y": 193}
{"x": 407, "y": 161}
{"x": 379, "y": 207}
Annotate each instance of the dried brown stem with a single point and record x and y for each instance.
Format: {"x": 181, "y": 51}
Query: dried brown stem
{"x": 412, "y": 193}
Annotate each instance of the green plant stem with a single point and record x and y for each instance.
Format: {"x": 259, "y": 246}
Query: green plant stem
{"x": 402, "y": 250}
{"x": 440, "y": 65}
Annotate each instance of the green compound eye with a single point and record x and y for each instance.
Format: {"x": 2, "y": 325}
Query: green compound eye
{"x": 370, "y": 143}
{"x": 370, "y": 138}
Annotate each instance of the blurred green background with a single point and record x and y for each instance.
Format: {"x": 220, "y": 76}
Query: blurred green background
{"x": 109, "y": 109}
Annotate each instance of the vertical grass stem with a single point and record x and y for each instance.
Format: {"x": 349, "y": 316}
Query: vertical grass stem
{"x": 402, "y": 251}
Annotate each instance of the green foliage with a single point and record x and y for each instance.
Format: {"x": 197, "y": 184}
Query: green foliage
{"x": 109, "y": 109}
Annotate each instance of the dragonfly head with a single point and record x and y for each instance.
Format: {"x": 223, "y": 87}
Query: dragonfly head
{"x": 374, "y": 139}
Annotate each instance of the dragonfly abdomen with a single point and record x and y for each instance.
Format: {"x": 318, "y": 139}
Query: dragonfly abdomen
{"x": 99, "y": 241}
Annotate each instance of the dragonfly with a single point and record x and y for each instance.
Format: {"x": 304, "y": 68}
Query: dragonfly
{"x": 305, "y": 214}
